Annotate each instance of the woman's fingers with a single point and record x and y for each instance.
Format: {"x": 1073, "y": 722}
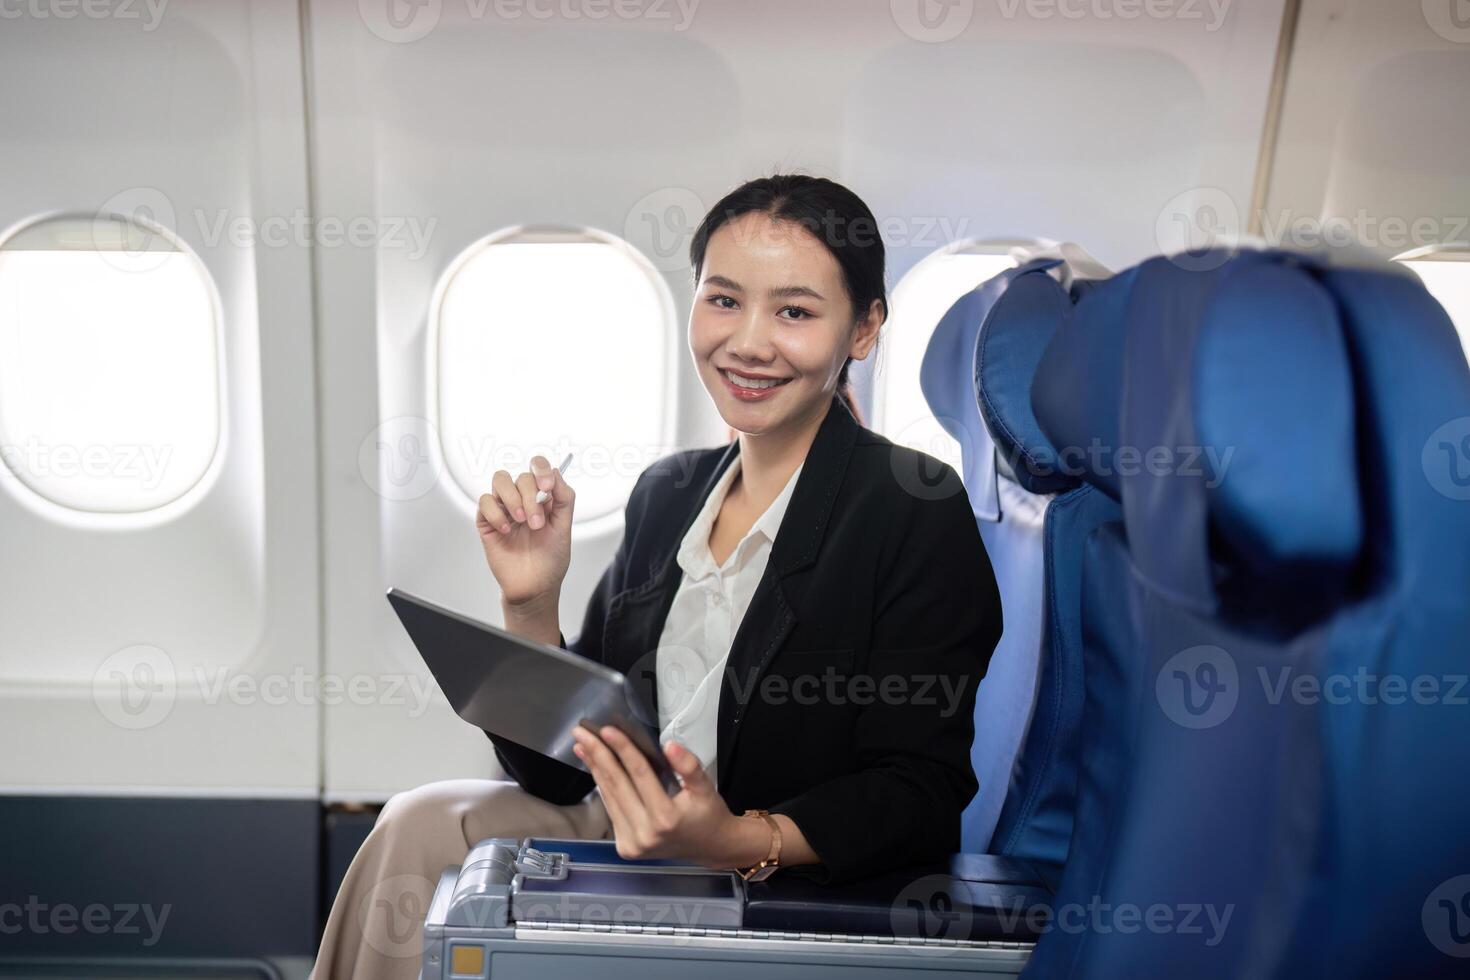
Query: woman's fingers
{"x": 610, "y": 775}
{"x": 690, "y": 769}
{"x": 645, "y": 781}
{"x": 535, "y": 517}
{"x": 492, "y": 515}
{"x": 510, "y": 497}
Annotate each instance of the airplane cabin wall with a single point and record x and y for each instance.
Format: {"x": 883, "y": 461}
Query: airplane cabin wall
{"x": 634, "y": 126}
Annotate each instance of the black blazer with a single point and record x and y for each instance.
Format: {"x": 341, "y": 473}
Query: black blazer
{"x": 849, "y": 692}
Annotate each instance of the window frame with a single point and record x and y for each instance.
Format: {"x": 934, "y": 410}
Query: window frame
{"x": 549, "y": 234}
{"x": 62, "y": 513}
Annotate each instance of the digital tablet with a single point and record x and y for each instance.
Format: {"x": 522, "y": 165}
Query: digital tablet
{"x": 526, "y": 692}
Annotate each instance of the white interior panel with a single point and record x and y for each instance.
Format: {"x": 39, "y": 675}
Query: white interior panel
{"x": 138, "y": 646}
{"x": 1374, "y": 148}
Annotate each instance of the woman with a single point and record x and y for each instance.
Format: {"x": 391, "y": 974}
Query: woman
{"x": 810, "y": 617}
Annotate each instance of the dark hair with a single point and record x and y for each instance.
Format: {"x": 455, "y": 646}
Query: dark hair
{"x": 834, "y": 215}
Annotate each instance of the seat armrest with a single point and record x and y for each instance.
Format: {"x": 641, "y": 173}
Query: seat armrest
{"x": 971, "y": 897}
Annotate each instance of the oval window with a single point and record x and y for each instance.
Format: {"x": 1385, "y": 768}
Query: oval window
{"x": 109, "y": 364}
{"x": 552, "y": 342}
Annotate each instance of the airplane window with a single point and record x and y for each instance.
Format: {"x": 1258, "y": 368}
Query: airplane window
{"x": 109, "y": 364}
{"x": 1446, "y": 274}
{"x": 549, "y": 343}
{"x": 919, "y": 302}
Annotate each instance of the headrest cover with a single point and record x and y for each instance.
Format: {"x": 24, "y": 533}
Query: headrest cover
{"x": 1077, "y": 389}
{"x": 1273, "y": 404}
{"x": 946, "y": 377}
{"x": 1015, "y": 334}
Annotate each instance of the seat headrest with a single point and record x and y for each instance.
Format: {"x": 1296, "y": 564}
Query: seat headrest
{"x": 1216, "y": 402}
{"x": 1013, "y": 337}
{"x": 1076, "y": 391}
{"x": 1273, "y": 404}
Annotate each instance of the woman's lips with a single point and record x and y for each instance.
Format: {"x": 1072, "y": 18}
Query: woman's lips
{"x": 751, "y": 394}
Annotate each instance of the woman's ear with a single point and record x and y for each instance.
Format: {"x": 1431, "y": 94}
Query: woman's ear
{"x": 865, "y": 334}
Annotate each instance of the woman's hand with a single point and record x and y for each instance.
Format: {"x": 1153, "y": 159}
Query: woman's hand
{"x": 694, "y": 825}
{"x": 528, "y": 545}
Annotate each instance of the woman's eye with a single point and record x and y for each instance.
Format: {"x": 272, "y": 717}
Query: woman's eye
{"x": 797, "y": 313}
{"x": 722, "y": 301}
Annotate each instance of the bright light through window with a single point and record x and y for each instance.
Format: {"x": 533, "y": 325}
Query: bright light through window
{"x": 109, "y": 372}
{"x": 920, "y": 301}
{"x": 1448, "y": 280}
{"x": 549, "y": 344}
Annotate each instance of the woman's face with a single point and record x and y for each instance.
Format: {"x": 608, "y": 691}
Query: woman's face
{"x": 771, "y": 310}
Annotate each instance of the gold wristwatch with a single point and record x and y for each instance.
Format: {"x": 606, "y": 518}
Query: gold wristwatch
{"x": 767, "y": 867}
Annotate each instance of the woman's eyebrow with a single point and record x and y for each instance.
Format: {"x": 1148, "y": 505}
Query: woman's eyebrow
{"x": 791, "y": 292}
{"x": 780, "y": 292}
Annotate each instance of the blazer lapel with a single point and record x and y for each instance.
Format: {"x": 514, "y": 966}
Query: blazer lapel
{"x": 770, "y": 617}
{"x": 635, "y": 616}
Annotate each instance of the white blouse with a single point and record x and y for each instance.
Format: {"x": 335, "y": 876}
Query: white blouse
{"x": 701, "y": 625}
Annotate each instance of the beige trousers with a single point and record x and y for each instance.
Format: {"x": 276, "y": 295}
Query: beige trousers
{"x": 375, "y": 929}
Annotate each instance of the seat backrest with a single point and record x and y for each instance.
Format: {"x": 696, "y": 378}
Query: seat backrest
{"x": 1032, "y": 516}
{"x": 1284, "y": 531}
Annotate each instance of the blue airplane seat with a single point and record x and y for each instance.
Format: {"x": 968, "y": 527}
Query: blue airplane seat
{"x": 1282, "y": 533}
{"x": 1033, "y": 517}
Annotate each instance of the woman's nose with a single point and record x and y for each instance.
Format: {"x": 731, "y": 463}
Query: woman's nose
{"x": 751, "y": 340}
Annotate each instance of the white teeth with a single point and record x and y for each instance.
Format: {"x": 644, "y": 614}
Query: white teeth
{"x": 740, "y": 382}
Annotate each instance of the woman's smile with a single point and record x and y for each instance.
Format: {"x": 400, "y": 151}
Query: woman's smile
{"x": 751, "y": 387}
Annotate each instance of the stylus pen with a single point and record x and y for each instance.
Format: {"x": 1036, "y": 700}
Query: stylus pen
{"x": 544, "y": 495}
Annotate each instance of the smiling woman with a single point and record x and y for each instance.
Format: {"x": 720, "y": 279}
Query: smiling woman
{"x": 795, "y": 558}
